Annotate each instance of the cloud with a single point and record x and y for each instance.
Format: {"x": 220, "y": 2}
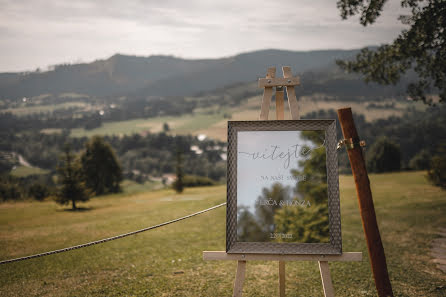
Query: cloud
{"x": 39, "y": 33}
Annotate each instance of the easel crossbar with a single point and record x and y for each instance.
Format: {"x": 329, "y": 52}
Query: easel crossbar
{"x": 222, "y": 255}
{"x": 278, "y": 82}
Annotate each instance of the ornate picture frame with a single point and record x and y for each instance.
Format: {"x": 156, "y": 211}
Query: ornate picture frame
{"x": 236, "y": 134}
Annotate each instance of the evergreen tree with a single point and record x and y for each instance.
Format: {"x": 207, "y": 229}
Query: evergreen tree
{"x": 265, "y": 213}
{"x": 248, "y": 228}
{"x": 178, "y": 183}
{"x": 102, "y": 171}
{"x": 72, "y": 187}
{"x": 166, "y": 127}
{"x": 384, "y": 156}
{"x": 308, "y": 224}
{"x": 314, "y": 188}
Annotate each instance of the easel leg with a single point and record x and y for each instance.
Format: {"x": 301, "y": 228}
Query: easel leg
{"x": 281, "y": 278}
{"x": 279, "y": 104}
{"x": 239, "y": 279}
{"x": 267, "y": 95}
{"x": 291, "y": 94}
{"x": 326, "y": 279}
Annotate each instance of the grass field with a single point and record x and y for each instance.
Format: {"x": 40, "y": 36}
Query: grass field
{"x": 184, "y": 124}
{"x": 168, "y": 261}
{"x": 131, "y": 187}
{"x": 23, "y": 171}
{"x": 249, "y": 110}
{"x": 27, "y": 110}
{"x": 214, "y": 125}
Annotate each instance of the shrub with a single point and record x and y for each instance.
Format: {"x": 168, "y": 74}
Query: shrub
{"x": 38, "y": 191}
{"x": 9, "y": 189}
{"x": 197, "y": 181}
{"x": 384, "y": 156}
{"x": 437, "y": 171}
{"x": 421, "y": 161}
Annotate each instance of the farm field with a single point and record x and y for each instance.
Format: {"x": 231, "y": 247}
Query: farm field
{"x": 184, "y": 124}
{"x": 250, "y": 111}
{"x": 168, "y": 261}
{"x": 212, "y": 122}
{"x": 27, "y": 110}
{"x": 23, "y": 171}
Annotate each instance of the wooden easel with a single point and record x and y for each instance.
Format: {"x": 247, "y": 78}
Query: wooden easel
{"x": 268, "y": 83}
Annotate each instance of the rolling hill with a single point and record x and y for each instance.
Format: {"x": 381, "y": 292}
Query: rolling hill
{"x": 161, "y": 75}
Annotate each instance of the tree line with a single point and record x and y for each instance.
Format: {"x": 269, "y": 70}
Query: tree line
{"x": 140, "y": 158}
{"x": 411, "y": 142}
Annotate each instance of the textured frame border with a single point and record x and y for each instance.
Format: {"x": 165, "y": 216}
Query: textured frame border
{"x": 334, "y": 212}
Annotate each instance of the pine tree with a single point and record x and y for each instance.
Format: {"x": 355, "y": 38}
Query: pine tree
{"x": 102, "y": 171}
{"x": 72, "y": 187}
{"x": 178, "y": 184}
{"x": 166, "y": 127}
{"x": 309, "y": 224}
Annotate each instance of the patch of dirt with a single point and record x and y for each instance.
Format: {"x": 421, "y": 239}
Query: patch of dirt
{"x": 438, "y": 251}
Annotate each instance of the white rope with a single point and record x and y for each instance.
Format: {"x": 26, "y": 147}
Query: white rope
{"x": 107, "y": 239}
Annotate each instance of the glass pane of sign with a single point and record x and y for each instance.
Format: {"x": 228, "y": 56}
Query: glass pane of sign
{"x": 282, "y": 187}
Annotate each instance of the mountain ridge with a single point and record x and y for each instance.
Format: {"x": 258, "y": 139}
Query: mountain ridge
{"x": 160, "y": 75}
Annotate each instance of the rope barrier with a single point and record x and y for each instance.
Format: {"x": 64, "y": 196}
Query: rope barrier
{"x": 109, "y": 238}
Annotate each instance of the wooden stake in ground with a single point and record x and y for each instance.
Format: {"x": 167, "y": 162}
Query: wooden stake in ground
{"x": 367, "y": 209}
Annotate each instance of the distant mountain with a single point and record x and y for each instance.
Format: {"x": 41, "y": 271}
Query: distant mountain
{"x": 244, "y": 68}
{"x": 162, "y": 75}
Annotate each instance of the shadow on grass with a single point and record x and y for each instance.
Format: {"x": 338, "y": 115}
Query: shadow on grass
{"x": 77, "y": 209}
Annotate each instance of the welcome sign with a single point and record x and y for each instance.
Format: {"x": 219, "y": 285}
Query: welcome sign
{"x": 283, "y": 192}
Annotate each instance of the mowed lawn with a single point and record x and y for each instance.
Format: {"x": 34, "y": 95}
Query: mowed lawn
{"x": 168, "y": 261}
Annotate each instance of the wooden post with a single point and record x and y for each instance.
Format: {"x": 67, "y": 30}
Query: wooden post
{"x": 291, "y": 94}
{"x": 280, "y": 115}
{"x": 281, "y": 278}
{"x": 267, "y": 95}
{"x": 239, "y": 279}
{"x": 279, "y": 104}
{"x": 327, "y": 285}
{"x": 367, "y": 209}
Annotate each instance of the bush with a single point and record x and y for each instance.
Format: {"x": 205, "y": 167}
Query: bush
{"x": 384, "y": 156}
{"x": 9, "y": 189}
{"x": 38, "y": 191}
{"x": 421, "y": 161}
{"x": 437, "y": 172}
{"x": 191, "y": 181}
{"x": 5, "y": 166}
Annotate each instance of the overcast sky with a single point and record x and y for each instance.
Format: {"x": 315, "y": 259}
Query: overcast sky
{"x": 40, "y": 33}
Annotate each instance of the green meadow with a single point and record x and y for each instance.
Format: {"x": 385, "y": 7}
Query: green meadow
{"x": 168, "y": 261}
{"x": 27, "y": 110}
{"x": 23, "y": 171}
{"x": 212, "y": 122}
{"x": 184, "y": 124}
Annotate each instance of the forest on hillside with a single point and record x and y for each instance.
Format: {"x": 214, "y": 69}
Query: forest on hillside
{"x": 417, "y": 134}
{"x": 147, "y": 129}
